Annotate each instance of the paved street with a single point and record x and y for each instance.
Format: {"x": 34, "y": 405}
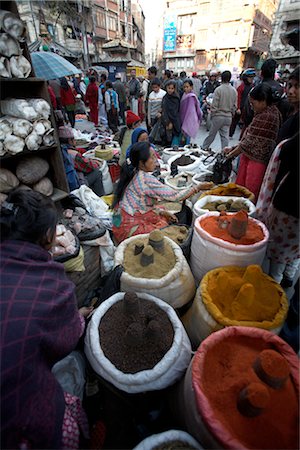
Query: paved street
{"x": 216, "y": 145}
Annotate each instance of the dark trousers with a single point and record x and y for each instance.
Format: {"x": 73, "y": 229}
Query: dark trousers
{"x": 71, "y": 117}
{"x": 113, "y": 121}
{"x": 94, "y": 180}
{"x": 235, "y": 120}
{"x": 122, "y": 106}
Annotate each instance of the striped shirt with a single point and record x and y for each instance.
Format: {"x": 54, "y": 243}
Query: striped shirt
{"x": 154, "y": 103}
{"x": 143, "y": 192}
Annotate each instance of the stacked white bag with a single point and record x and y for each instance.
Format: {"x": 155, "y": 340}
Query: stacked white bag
{"x": 25, "y": 123}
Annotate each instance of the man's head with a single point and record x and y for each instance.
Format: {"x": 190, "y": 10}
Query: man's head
{"x": 103, "y": 77}
{"x": 108, "y": 84}
{"x": 132, "y": 73}
{"x": 118, "y": 76}
{"x": 182, "y": 74}
{"x": 268, "y": 69}
{"x": 92, "y": 79}
{"x": 213, "y": 75}
{"x": 152, "y": 72}
{"x": 167, "y": 75}
{"x": 194, "y": 74}
{"x": 226, "y": 76}
{"x": 155, "y": 84}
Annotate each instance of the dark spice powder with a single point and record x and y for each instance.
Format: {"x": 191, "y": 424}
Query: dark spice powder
{"x": 135, "y": 341}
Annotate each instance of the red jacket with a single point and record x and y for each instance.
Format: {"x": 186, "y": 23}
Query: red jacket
{"x": 52, "y": 97}
{"x": 67, "y": 97}
{"x": 91, "y": 96}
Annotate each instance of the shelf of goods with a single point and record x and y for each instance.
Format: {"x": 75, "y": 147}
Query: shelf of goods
{"x": 31, "y": 88}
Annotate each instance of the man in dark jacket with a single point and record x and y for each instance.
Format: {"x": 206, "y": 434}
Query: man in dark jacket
{"x": 120, "y": 90}
{"x": 134, "y": 91}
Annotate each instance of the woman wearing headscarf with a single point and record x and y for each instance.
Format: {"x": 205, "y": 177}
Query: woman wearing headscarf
{"x": 190, "y": 112}
{"x": 91, "y": 100}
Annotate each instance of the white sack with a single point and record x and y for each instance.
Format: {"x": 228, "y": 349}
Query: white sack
{"x": 157, "y": 440}
{"x": 169, "y": 369}
{"x": 20, "y": 66}
{"x": 18, "y": 107}
{"x": 21, "y": 127}
{"x": 13, "y": 144}
{"x": 176, "y": 288}
{"x": 70, "y": 373}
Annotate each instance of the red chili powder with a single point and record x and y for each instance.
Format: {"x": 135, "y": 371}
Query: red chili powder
{"x": 254, "y": 231}
{"x": 227, "y": 370}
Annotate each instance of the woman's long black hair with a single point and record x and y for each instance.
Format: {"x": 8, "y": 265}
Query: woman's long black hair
{"x": 140, "y": 152}
{"x": 64, "y": 83}
{"x": 263, "y": 92}
{"x": 27, "y": 216}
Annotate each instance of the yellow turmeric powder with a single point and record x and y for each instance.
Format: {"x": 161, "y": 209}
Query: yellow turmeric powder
{"x": 248, "y": 296}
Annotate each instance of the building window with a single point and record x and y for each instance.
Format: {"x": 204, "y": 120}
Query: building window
{"x": 100, "y": 19}
{"x": 204, "y": 8}
{"x": 112, "y": 23}
{"x": 185, "y": 24}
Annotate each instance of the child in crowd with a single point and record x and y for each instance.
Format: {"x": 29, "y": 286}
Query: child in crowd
{"x": 112, "y": 106}
{"x": 124, "y": 136}
{"x": 141, "y": 107}
{"x": 154, "y": 102}
{"x": 190, "y": 112}
{"x": 170, "y": 113}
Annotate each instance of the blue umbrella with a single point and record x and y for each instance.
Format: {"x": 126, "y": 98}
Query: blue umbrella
{"x": 49, "y": 65}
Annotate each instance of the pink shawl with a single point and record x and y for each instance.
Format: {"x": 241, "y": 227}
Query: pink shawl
{"x": 190, "y": 114}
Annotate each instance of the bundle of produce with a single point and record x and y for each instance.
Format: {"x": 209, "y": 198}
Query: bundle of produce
{"x": 31, "y": 170}
{"x": 156, "y": 265}
{"x": 241, "y": 391}
{"x": 44, "y": 186}
{"x": 84, "y": 225}
{"x": 30, "y": 109}
{"x": 8, "y": 180}
{"x": 169, "y": 440}
{"x": 103, "y": 152}
{"x": 230, "y": 189}
{"x": 4, "y": 67}
{"x": 137, "y": 343}
{"x": 235, "y": 296}
{"x": 12, "y": 25}
{"x": 9, "y": 46}
{"x": 13, "y": 144}
{"x": 66, "y": 245}
{"x": 222, "y": 239}
{"x": 19, "y": 66}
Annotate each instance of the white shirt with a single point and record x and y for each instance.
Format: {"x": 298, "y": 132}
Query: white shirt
{"x": 154, "y": 103}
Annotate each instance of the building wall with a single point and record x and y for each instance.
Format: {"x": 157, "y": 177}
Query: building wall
{"x": 286, "y": 18}
{"x": 219, "y": 33}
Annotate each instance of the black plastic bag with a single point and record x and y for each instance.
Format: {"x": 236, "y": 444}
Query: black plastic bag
{"x": 109, "y": 285}
{"x": 185, "y": 216}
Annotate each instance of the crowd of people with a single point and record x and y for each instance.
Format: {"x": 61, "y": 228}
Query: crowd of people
{"x": 141, "y": 114}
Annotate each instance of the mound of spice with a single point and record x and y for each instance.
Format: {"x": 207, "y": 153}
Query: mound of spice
{"x": 177, "y": 233}
{"x": 220, "y": 227}
{"x": 227, "y": 373}
{"x": 135, "y": 334}
{"x": 244, "y": 294}
{"x": 151, "y": 257}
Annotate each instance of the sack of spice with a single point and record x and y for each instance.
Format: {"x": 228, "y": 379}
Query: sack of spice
{"x": 169, "y": 277}
{"x": 126, "y": 346}
{"x": 169, "y": 440}
{"x": 181, "y": 235}
{"x": 241, "y": 391}
{"x": 235, "y": 296}
{"x": 213, "y": 246}
{"x": 222, "y": 203}
{"x": 230, "y": 189}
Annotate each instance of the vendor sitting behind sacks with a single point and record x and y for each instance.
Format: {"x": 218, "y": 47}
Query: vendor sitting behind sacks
{"x": 87, "y": 168}
{"x": 138, "y": 192}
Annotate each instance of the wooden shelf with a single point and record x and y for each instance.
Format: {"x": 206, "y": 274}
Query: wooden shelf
{"x": 28, "y": 152}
